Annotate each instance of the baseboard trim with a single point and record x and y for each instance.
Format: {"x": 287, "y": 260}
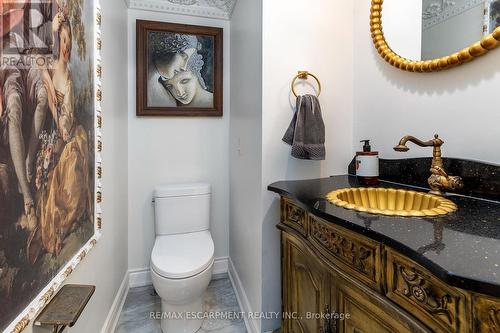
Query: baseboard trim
{"x": 241, "y": 296}
{"x": 117, "y": 306}
{"x": 221, "y": 265}
{"x": 142, "y": 277}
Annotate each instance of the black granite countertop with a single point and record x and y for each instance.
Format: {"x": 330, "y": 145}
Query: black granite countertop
{"x": 462, "y": 248}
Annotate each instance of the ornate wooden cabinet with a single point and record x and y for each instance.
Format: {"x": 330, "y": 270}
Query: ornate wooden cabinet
{"x": 335, "y": 280}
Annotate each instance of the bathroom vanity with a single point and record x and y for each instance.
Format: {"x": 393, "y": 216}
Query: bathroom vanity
{"x": 386, "y": 273}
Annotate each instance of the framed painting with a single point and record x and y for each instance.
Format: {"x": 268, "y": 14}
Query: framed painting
{"x": 50, "y": 143}
{"x": 179, "y": 70}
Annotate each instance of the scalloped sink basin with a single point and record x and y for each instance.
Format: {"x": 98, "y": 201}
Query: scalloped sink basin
{"x": 391, "y": 202}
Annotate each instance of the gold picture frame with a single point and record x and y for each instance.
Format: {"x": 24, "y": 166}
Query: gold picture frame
{"x": 468, "y": 54}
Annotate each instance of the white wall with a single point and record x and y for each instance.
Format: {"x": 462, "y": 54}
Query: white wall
{"x": 246, "y": 148}
{"x": 457, "y": 104}
{"x": 165, "y": 149}
{"x": 403, "y": 31}
{"x": 106, "y": 264}
{"x": 313, "y": 35}
{"x": 261, "y": 109}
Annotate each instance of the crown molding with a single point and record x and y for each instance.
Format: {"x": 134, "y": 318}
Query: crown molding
{"x": 442, "y": 10}
{"x": 217, "y": 9}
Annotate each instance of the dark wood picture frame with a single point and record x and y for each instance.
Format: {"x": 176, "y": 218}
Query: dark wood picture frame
{"x": 142, "y": 109}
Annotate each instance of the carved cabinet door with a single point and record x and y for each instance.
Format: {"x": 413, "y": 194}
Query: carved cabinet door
{"x": 306, "y": 290}
{"x": 368, "y": 312}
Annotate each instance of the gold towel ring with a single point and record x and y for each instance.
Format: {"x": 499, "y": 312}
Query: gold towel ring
{"x": 304, "y": 75}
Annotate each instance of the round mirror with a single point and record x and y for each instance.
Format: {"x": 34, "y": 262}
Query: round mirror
{"x": 429, "y": 35}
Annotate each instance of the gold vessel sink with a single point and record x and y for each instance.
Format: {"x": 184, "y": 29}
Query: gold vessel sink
{"x": 391, "y": 202}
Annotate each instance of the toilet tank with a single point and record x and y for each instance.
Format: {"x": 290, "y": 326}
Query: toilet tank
{"x": 182, "y": 208}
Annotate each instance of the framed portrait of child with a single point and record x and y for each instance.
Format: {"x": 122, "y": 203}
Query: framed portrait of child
{"x": 179, "y": 70}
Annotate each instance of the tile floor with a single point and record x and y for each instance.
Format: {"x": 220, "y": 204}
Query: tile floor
{"x": 140, "y": 302}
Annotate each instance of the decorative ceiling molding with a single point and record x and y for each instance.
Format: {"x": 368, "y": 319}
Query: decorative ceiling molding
{"x": 218, "y": 9}
{"x": 436, "y": 8}
{"x": 440, "y": 11}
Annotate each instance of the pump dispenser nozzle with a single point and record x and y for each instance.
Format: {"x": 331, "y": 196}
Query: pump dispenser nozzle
{"x": 366, "y": 147}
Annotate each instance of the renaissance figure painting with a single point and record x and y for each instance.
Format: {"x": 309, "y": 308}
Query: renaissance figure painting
{"x": 47, "y": 155}
{"x": 179, "y": 70}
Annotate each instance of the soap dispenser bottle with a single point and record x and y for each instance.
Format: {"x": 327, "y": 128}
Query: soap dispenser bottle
{"x": 367, "y": 165}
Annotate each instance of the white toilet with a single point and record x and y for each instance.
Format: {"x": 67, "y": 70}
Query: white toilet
{"x": 183, "y": 255}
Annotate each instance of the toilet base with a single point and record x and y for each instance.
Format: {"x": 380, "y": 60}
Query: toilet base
{"x": 182, "y": 301}
{"x": 185, "y": 318}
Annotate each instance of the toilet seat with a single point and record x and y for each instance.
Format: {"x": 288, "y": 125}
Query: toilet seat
{"x": 183, "y": 255}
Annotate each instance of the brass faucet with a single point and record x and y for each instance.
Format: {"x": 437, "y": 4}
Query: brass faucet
{"x": 439, "y": 179}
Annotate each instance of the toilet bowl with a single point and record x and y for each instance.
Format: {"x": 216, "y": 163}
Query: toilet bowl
{"x": 183, "y": 255}
{"x": 181, "y": 269}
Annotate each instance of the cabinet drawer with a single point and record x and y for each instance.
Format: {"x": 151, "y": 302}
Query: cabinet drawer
{"x": 294, "y": 216}
{"x": 354, "y": 254}
{"x": 439, "y": 306}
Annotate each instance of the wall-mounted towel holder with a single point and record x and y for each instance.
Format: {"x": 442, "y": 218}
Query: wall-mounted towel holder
{"x": 304, "y": 75}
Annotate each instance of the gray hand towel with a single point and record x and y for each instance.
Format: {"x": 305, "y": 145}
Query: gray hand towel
{"x": 306, "y": 133}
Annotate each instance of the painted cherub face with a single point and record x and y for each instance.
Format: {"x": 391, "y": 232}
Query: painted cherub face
{"x": 180, "y": 82}
{"x": 65, "y": 44}
{"x": 183, "y": 86}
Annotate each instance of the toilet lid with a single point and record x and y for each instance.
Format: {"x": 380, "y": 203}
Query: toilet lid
{"x": 183, "y": 255}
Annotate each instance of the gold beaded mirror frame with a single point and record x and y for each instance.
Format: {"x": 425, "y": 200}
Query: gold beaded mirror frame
{"x": 50, "y": 149}
{"x": 486, "y": 44}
